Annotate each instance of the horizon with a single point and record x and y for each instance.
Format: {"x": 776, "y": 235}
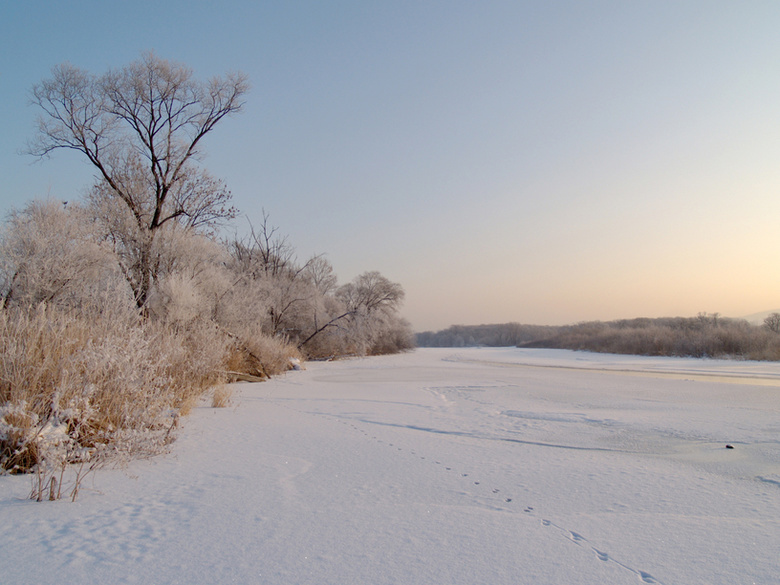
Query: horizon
{"x": 753, "y": 319}
{"x": 504, "y": 162}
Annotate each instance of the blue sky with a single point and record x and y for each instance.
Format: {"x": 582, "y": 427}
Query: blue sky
{"x": 542, "y": 162}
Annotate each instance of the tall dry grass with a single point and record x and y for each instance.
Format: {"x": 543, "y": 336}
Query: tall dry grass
{"x": 88, "y": 391}
{"x": 254, "y": 353}
{"x": 78, "y": 390}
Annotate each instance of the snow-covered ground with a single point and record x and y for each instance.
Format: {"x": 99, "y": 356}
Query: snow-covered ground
{"x": 441, "y": 466}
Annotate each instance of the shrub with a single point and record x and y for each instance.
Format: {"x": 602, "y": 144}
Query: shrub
{"x": 89, "y": 391}
{"x": 108, "y": 335}
{"x": 257, "y": 354}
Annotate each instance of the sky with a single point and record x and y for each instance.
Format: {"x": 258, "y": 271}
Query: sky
{"x": 542, "y": 162}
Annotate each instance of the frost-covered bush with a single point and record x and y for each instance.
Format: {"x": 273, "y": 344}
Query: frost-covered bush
{"x": 258, "y": 354}
{"x": 91, "y": 371}
{"x": 304, "y": 305}
{"x": 120, "y": 312}
{"x": 49, "y": 253}
{"x": 78, "y": 390}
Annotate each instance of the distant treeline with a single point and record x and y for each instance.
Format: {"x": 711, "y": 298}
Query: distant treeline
{"x": 502, "y": 335}
{"x": 706, "y": 335}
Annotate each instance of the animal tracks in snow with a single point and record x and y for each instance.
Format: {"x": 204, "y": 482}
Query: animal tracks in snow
{"x": 495, "y": 494}
{"x": 580, "y": 540}
{"x": 502, "y": 501}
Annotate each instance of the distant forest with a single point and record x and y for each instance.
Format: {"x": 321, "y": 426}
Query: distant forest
{"x": 706, "y": 335}
{"x": 502, "y": 335}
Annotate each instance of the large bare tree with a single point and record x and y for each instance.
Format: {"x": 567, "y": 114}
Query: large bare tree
{"x": 141, "y": 127}
{"x": 367, "y": 310}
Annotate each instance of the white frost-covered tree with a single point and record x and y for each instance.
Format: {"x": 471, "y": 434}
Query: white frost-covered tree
{"x": 49, "y": 254}
{"x": 141, "y": 127}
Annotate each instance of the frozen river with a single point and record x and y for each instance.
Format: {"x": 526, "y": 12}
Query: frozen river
{"x": 456, "y": 466}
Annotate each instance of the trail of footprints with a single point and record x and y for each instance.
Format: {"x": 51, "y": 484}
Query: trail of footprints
{"x": 580, "y": 540}
{"x": 412, "y": 452}
{"x": 570, "y": 535}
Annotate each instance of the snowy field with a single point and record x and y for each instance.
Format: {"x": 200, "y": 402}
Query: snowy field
{"x": 441, "y": 466}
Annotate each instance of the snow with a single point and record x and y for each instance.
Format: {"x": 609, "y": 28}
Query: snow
{"x": 465, "y": 466}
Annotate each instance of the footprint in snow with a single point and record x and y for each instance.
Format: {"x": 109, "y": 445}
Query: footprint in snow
{"x": 495, "y": 491}
{"x": 580, "y": 540}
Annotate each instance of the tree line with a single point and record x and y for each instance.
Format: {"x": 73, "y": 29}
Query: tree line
{"x": 496, "y": 335}
{"x": 705, "y": 335}
{"x": 119, "y": 310}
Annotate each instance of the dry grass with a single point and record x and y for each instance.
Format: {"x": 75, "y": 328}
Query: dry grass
{"x": 221, "y": 395}
{"x": 85, "y": 379}
{"x": 85, "y": 391}
{"x": 257, "y": 354}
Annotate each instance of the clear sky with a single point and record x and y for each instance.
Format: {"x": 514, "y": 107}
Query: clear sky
{"x": 543, "y": 162}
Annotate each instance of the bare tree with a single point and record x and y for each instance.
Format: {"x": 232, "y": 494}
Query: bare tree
{"x": 372, "y": 302}
{"x": 263, "y": 252}
{"x": 370, "y": 292}
{"x": 319, "y": 272}
{"x": 264, "y": 263}
{"x": 365, "y": 310}
{"x": 141, "y": 127}
{"x": 772, "y": 322}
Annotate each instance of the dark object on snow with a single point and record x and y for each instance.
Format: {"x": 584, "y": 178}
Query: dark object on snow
{"x": 729, "y": 446}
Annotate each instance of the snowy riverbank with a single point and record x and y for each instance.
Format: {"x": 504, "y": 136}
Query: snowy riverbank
{"x": 456, "y": 466}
